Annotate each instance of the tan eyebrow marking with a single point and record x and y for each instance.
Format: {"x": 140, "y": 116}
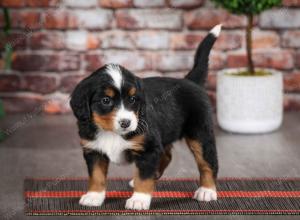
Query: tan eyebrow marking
{"x": 109, "y": 92}
{"x": 132, "y": 91}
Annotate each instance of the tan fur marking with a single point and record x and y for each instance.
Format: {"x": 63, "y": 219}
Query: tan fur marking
{"x": 206, "y": 173}
{"x": 109, "y": 92}
{"x": 165, "y": 160}
{"x": 83, "y": 142}
{"x": 104, "y": 121}
{"x": 137, "y": 143}
{"x": 143, "y": 186}
{"x": 97, "y": 181}
{"x": 132, "y": 91}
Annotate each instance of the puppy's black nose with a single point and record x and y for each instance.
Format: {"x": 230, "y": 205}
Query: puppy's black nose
{"x": 124, "y": 123}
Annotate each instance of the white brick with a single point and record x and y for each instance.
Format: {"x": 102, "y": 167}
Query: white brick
{"x": 76, "y": 40}
{"x": 94, "y": 19}
{"x": 148, "y": 3}
{"x": 81, "y": 3}
{"x": 174, "y": 62}
{"x": 152, "y": 40}
{"x": 129, "y": 59}
{"x": 117, "y": 39}
{"x": 280, "y": 18}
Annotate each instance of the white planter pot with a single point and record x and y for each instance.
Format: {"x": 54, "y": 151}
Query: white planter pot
{"x": 249, "y": 104}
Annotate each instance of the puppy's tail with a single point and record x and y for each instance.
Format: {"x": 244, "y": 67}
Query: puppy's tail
{"x": 200, "y": 69}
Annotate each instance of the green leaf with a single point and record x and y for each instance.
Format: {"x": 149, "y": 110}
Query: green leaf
{"x": 7, "y": 26}
{"x": 247, "y": 7}
{"x": 2, "y": 113}
{"x": 8, "y": 56}
{"x": 2, "y": 135}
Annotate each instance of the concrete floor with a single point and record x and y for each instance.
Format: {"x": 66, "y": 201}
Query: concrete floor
{"x": 48, "y": 147}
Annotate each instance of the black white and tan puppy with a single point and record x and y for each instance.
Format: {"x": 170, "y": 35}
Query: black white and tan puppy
{"x": 126, "y": 119}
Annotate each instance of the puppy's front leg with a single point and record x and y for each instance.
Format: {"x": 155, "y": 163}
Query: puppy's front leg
{"x": 97, "y": 167}
{"x": 143, "y": 188}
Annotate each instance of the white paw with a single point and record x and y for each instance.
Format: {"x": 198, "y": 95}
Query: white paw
{"x": 205, "y": 194}
{"x": 138, "y": 201}
{"x": 92, "y": 199}
{"x": 131, "y": 183}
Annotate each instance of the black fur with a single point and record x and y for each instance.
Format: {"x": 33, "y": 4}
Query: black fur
{"x": 172, "y": 109}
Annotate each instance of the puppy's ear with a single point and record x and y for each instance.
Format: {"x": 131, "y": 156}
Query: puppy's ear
{"x": 80, "y": 99}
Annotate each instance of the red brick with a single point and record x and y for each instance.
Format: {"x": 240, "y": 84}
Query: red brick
{"x": 9, "y": 82}
{"x": 12, "y": 3}
{"x": 185, "y": 41}
{"x": 291, "y": 102}
{"x": 16, "y": 39}
{"x": 93, "y": 41}
{"x": 56, "y": 104}
{"x": 265, "y": 39}
{"x": 39, "y": 83}
{"x": 148, "y": 4}
{"x": 42, "y": 3}
{"x": 235, "y": 60}
{"x": 31, "y": 20}
{"x": 16, "y": 15}
{"x": 22, "y": 102}
{"x": 186, "y": 4}
{"x": 149, "y": 18}
{"x": 216, "y": 61}
{"x": 49, "y": 40}
{"x": 278, "y": 59}
{"x": 117, "y": 39}
{"x": 207, "y": 18}
{"x": 297, "y": 59}
{"x": 213, "y": 99}
{"x": 116, "y": 3}
{"x": 228, "y": 41}
{"x": 46, "y": 62}
{"x": 68, "y": 82}
{"x": 292, "y": 82}
{"x": 93, "y": 61}
{"x": 291, "y": 2}
{"x": 211, "y": 82}
{"x": 1, "y": 19}
{"x": 291, "y": 39}
{"x": 56, "y": 19}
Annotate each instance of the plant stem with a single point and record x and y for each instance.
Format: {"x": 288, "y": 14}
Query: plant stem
{"x": 249, "y": 44}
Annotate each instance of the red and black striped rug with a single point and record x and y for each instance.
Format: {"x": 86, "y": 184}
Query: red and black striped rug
{"x": 172, "y": 197}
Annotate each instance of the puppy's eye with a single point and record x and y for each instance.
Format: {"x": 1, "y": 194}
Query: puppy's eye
{"x": 132, "y": 99}
{"x": 106, "y": 101}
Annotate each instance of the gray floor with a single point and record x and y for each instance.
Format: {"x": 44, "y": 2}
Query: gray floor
{"x": 48, "y": 147}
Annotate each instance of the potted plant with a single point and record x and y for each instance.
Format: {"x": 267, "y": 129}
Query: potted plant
{"x": 249, "y": 100}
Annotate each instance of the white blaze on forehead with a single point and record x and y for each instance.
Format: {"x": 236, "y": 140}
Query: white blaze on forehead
{"x": 116, "y": 74}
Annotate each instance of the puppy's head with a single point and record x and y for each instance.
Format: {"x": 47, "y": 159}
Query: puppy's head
{"x": 111, "y": 98}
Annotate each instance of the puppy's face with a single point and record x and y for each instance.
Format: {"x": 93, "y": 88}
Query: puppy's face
{"x": 116, "y": 102}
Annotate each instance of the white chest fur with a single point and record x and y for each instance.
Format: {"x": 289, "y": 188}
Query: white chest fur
{"x": 111, "y": 144}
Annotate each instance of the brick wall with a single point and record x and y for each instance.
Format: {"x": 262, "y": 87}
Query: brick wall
{"x": 58, "y": 42}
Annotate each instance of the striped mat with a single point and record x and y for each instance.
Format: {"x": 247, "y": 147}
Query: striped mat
{"x": 267, "y": 196}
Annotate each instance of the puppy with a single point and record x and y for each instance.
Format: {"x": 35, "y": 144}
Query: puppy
{"x": 125, "y": 119}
